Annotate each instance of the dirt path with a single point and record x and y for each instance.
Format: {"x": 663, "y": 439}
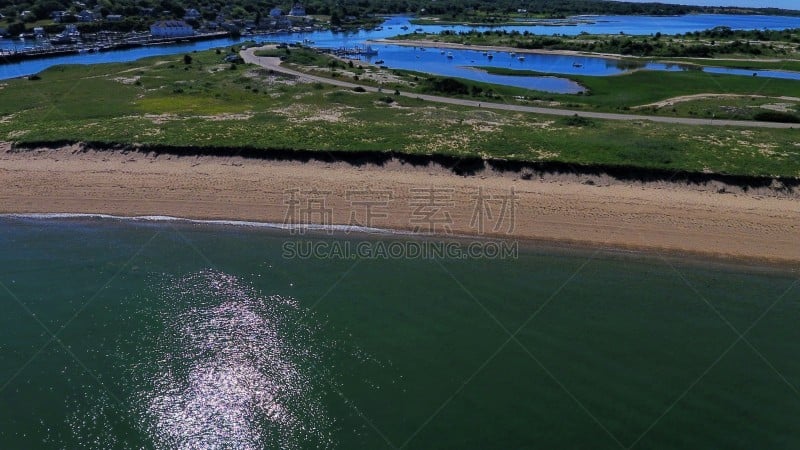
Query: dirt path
{"x": 274, "y": 64}
{"x": 688, "y": 98}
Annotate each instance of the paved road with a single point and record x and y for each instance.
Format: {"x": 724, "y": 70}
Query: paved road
{"x": 273, "y": 63}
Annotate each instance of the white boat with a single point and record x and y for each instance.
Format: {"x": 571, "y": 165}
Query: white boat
{"x": 521, "y": 58}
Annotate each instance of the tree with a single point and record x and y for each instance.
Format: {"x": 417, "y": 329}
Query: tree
{"x": 187, "y": 59}
{"x": 335, "y": 19}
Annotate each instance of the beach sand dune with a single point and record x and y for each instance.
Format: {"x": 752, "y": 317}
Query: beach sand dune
{"x": 606, "y": 212}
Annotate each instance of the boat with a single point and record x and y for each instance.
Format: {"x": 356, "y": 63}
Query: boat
{"x": 404, "y": 27}
{"x": 419, "y": 30}
{"x": 379, "y": 62}
{"x": 577, "y": 65}
{"x": 449, "y": 55}
{"x": 62, "y": 39}
{"x": 521, "y": 58}
{"x": 490, "y": 56}
{"x": 513, "y": 54}
{"x": 441, "y": 52}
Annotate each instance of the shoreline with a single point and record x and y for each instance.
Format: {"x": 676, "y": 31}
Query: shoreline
{"x": 534, "y": 245}
{"x": 495, "y": 48}
{"x": 572, "y": 209}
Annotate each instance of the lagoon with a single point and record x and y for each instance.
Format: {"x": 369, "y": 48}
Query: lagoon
{"x": 406, "y": 58}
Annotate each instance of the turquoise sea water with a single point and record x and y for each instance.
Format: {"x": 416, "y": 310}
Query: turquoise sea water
{"x": 166, "y": 335}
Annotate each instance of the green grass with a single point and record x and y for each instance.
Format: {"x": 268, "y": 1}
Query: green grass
{"x": 163, "y": 101}
{"x": 790, "y": 65}
{"x": 644, "y": 86}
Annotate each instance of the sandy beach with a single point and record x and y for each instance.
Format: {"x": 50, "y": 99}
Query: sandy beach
{"x": 571, "y": 209}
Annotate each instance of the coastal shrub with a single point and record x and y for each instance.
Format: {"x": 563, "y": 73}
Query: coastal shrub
{"x": 396, "y": 92}
{"x": 34, "y": 78}
{"x": 359, "y": 89}
{"x": 387, "y": 99}
{"x": 232, "y": 66}
{"x": 219, "y": 52}
{"x": 577, "y": 121}
{"x": 776, "y": 116}
{"x": 187, "y": 59}
{"x": 449, "y": 86}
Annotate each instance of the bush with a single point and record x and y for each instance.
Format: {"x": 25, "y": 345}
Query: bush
{"x": 449, "y": 86}
{"x": 233, "y": 66}
{"x": 387, "y": 99}
{"x": 34, "y": 77}
{"x": 187, "y": 59}
{"x": 359, "y": 89}
{"x": 776, "y": 116}
{"x": 577, "y": 121}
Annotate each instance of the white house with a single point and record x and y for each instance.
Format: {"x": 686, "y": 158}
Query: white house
{"x": 171, "y": 28}
{"x": 297, "y": 10}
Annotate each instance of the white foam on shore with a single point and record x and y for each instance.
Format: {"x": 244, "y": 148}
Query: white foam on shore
{"x": 235, "y": 223}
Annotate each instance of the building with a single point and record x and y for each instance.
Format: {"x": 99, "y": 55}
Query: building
{"x": 192, "y": 14}
{"x": 275, "y": 12}
{"x": 171, "y": 28}
{"x": 297, "y": 10}
{"x": 114, "y": 18}
{"x": 85, "y": 16}
{"x": 57, "y": 16}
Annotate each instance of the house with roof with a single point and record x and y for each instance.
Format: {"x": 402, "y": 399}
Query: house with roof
{"x": 171, "y": 28}
{"x": 85, "y": 16}
{"x": 192, "y": 14}
{"x": 275, "y": 12}
{"x": 297, "y": 10}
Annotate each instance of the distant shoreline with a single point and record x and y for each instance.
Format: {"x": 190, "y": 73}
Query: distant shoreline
{"x": 571, "y": 209}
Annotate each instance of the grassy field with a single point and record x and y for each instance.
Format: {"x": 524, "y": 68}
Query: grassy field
{"x": 745, "y": 63}
{"x": 165, "y": 101}
{"x": 623, "y": 92}
{"x": 611, "y": 94}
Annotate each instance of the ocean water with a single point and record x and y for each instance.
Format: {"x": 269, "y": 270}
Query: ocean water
{"x": 120, "y": 334}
